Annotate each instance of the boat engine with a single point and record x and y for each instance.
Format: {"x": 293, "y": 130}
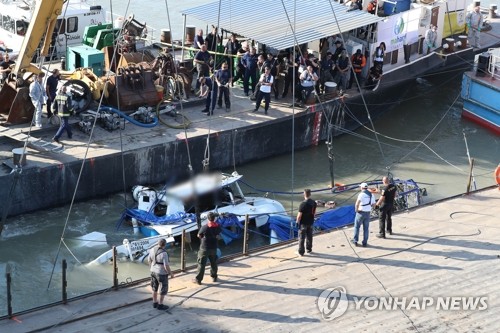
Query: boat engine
{"x": 144, "y": 115}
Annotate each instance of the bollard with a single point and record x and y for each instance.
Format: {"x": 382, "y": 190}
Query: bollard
{"x": 245, "y": 236}
{"x": 183, "y": 251}
{"x": 115, "y": 270}
{"x": 64, "y": 282}
{"x": 9, "y": 295}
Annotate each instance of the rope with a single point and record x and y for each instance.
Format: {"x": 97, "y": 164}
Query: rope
{"x": 84, "y": 159}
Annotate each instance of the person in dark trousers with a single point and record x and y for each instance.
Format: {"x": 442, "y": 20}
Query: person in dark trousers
{"x": 208, "y": 90}
{"x": 62, "y": 106}
{"x": 209, "y": 234}
{"x": 160, "y": 270}
{"x": 386, "y": 204}
{"x": 223, "y": 80}
{"x": 305, "y": 220}
{"x": 363, "y": 207}
{"x": 51, "y": 90}
{"x": 266, "y": 83}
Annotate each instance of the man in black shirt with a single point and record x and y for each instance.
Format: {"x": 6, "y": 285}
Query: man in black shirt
{"x": 5, "y": 67}
{"x": 209, "y": 234}
{"x": 305, "y": 220}
{"x": 386, "y": 204}
{"x": 51, "y": 90}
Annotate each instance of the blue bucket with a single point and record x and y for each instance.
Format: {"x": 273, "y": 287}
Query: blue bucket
{"x": 400, "y": 6}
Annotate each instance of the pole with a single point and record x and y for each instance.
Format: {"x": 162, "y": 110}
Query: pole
{"x": 64, "y": 282}
{"x": 245, "y": 236}
{"x": 468, "y": 156}
{"x": 470, "y": 175}
{"x": 115, "y": 270}
{"x": 9, "y": 295}
{"x": 184, "y": 37}
{"x": 183, "y": 251}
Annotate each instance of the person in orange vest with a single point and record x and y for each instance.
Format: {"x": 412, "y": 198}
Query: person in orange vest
{"x": 358, "y": 61}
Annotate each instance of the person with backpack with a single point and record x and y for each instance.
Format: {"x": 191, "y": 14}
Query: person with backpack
{"x": 363, "y": 207}
{"x": 209, "y": 234}
{"x": 160, "y": 270}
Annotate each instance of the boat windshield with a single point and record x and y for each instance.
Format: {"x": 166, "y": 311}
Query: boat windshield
{"x": 8, "y": 23}
{"x": 21, "y": 27}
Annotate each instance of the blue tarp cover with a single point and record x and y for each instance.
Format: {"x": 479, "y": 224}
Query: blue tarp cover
{"x": 336, "y": 218}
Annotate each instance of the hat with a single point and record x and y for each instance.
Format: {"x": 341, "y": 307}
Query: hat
{"x": 364, "y": 185}
{"x": 338, "y": 42}
{"x": 358, "y": 51}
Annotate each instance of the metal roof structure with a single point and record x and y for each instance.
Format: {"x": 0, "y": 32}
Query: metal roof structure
{"x": 271, "y": 22}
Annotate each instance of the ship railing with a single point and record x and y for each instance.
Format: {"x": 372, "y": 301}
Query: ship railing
{"x": 494, "y": 64}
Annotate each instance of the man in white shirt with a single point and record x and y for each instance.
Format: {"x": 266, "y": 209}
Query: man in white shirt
{"x": 266, "y": 82}
{"x": 363, "y": 207}
{"x": 474, "y": 21}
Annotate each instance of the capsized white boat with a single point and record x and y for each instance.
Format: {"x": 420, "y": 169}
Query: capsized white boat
{"x": 215, "y": 192}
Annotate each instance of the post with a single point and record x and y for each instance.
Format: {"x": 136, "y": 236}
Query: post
{"x": 183, "y": 251}
{"x": 245, "y": 236}
{"x": 115, "y": 270}
{"x": 470, "y": 175}
{"x": 64, "y": 282}
{"x": 9, "y": 295}
{"x": 184, "y": 37}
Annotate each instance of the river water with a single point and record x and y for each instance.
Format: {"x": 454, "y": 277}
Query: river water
{"x": 30, "y": 243}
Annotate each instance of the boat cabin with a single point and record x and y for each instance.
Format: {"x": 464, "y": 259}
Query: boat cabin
{"x": 76, "y": 15}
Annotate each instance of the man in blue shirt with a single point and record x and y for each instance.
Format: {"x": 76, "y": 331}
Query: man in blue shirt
{"x": 223, "y": 80}
{"x": 202, "y": 60}
{"x": 208, "y": 89}
{"x": 249, "y": 61}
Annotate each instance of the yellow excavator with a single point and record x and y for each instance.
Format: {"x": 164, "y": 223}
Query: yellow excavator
{"x": 15, "y": 103}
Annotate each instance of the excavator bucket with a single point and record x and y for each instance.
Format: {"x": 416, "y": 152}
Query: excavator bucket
{"x": 16, "y": 106}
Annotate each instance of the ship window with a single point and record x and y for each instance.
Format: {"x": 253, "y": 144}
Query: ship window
{"x": 21, "y": 27}
{"x": 72, "y": 24}
{"x": 60, "y": 26}
{"x": 8, "y": 24}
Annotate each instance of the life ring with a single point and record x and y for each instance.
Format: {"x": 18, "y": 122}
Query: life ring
{"x": 340, "y": 187}
{"x": 497, "y": 174}
{"x": 372, "y": 190}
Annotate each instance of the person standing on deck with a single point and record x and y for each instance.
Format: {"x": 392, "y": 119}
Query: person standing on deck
{"x": 198, "y": 39}
{"x": 51, "y": 90}
{"x": 160, "y": 270}
{"x": 223, "y": 80}
{"x": 305, "y": 220}
{"x": 38, "y": 97}
{"x": 266, "y": 82}
{"x": 62, "y": 106}
{"x": 249, "y": 61}
{"x": 378, "y": 57}
{"x": 363, "y": 207}
{"x": 386, "y": 204}
{"x": 231, "y": 49}
{"x": 209, "y": 234}
{"x": 430, "y": 39}
{"x": 474, "y": 21}
{"x": 358, "y": 61}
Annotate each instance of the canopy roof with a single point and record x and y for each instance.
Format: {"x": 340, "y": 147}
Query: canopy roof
{"x": 271, "y": 22}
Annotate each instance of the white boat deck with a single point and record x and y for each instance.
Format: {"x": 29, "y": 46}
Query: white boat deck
{"x": 445, "y": 249}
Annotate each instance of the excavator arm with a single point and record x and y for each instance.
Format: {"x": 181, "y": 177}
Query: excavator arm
{"x": 41, "y": 26}
{"x": 16, "y": 106}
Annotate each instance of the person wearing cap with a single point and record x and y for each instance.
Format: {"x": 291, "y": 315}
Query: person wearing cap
{"x": 160, "y": 270}
{"x": 430, "y": 39}
{"x": 305, "y": 220}
{"x": 363, "y": 207}
{"x": 209, "y": 234}
{"x": 386, "y": 205}
{"x": 343, "y": 66}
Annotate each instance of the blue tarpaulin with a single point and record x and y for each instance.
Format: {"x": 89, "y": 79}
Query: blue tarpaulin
{"x": 150, "y": 218}
{"x": 337, "y": 218}
{"x": 281, "y": 226}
